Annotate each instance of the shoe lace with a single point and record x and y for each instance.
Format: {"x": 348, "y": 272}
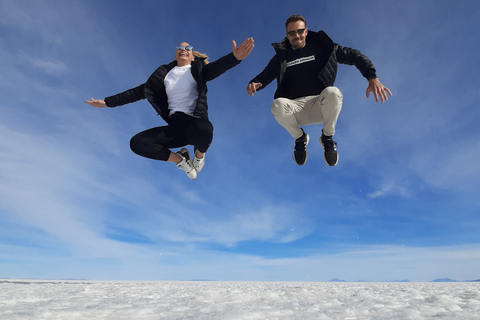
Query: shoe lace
{"x": 185, "y": 166}
{"x": 329, "y": 145}
{"x": 299, "y": 145}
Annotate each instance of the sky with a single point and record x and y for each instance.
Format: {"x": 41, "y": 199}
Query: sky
{"x": 77, "y": 203}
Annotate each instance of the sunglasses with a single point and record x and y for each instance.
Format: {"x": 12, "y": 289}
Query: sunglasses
{"x": 299, "y": 31}
{"x": 188, "y": 48}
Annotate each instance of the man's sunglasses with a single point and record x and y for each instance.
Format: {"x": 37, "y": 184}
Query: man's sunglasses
{"x": 299, "y": 31}
{"x": 188, "y": 48}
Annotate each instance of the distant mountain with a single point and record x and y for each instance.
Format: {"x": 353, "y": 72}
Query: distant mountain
{"x": 341, "y": 280}
{"x": 406, "y": 280}
{"x": 202, "y": 280}
{"x": 444, "y": 280}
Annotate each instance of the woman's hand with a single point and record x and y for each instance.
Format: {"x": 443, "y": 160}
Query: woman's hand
{"x": 243, "y": 50}
{"x": 96, "y": 103}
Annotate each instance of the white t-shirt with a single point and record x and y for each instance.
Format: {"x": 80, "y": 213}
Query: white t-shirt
{"x": 181, "y": 90}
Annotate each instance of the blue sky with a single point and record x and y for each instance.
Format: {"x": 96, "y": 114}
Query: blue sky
{"x": 75, "y": 202}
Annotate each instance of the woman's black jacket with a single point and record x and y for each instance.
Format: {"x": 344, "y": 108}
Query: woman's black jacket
{"x": 154, "y": 89}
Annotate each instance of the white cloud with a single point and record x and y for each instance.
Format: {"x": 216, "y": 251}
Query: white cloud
{"x": 390, "y": 186}
{"x": 69, "y": 177}
{"x": 368, "y": 263}
{"x": 453, "y": 165}
{"x": 50, "y": 67}
{"x": 268, "y": 223}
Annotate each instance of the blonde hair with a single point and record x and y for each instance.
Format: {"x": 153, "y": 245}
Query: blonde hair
{"x": 201, "y": 55}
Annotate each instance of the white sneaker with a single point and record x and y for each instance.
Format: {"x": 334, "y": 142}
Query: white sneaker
{"x": 198, "y": 163}
{"x": 186, "y": 165}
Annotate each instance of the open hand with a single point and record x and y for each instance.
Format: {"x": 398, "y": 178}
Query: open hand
{"x": 378, "y": 89}
{"x": 243, "y": 50}
{"x": 96, "y": 103}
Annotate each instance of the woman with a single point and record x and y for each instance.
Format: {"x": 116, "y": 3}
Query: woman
{"x": 178, "y": 92}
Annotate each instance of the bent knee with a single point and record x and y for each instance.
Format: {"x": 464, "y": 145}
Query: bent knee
{"x": 202, "y": 126}
{"x": 333, "y": 91}
{"x": 280, "y": 106}
{"x": 136, "y": 144}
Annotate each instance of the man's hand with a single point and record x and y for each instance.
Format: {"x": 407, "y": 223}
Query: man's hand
{"x": 96, "y": 103}
{"x": 243, "y": 50}
{"x": 378, "y": 89}
{"x": 252, "y": 87}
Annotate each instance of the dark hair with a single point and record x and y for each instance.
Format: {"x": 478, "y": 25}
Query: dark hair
{"x": 295, "y": 18}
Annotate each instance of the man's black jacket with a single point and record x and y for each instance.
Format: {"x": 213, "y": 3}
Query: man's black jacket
{"x": 337, "y": 54}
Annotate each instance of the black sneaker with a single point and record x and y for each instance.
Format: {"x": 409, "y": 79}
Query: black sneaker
{"x": 300, "y": 151}
{"x": 184, "y": 153}
{"x": 330, "y": 154}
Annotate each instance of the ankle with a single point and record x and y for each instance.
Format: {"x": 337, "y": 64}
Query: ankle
{"x": 175, "y": 158}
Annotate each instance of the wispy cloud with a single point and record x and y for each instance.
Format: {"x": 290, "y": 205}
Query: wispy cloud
{"x": 50, "y": 67}
{"x": 73, "y": 195}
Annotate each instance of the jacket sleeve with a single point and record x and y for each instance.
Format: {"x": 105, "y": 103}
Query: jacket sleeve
{"x": 220, "y": 66}
{"x": 270, "y": 73}
{"x": 125, "y": 97}
{"x": 354, "y": 57}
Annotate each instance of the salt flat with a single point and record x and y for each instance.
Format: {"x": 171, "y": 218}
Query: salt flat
{"x": 29, "y": 299}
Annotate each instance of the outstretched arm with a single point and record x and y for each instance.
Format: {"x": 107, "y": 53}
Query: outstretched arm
{"x": 234, "y": 58}
{"x": 264, "y": 78}
{"x": 243, "y": 50}
{"x": 96, "y": 103}
{"x": 378, "y": 89}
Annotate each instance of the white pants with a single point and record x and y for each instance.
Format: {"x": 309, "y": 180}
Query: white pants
{"x": 324, "y": 108}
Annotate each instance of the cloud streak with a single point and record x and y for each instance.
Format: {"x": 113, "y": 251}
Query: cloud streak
{"x": 73, "y": 195}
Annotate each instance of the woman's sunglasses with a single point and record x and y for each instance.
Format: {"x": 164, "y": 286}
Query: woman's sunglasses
{"x": 188, "y": 48}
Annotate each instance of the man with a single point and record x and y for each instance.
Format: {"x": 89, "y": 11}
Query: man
{"x": 305, "y": 66}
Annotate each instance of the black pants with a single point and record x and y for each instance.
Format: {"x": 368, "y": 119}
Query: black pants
{"x": 183, "y": 130}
